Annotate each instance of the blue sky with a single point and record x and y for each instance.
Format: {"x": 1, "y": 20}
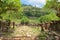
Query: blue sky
{"x": 37, "y": 3}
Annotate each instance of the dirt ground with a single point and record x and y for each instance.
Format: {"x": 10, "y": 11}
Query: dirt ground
{"x": 26, "y": 31}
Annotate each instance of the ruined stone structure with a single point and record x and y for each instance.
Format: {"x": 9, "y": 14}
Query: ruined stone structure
{"x": 4, "y": 25}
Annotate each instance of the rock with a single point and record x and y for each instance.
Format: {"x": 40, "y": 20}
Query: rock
{"x": 28, "y": 35}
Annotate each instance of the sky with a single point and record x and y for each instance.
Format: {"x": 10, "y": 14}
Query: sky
{"x": 58, "y": 0}
{"x": 37, "y": 3}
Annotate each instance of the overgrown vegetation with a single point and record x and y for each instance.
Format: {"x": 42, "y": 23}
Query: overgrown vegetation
{"x": 13, "y": 10}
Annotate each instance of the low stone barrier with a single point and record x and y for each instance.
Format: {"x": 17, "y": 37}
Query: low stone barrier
{"x": 4, "y": 25}
{"x": 16, "y": 38}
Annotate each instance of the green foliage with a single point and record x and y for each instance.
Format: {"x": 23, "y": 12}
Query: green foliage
{"x": 30, "y": 11}
{"x": 43, "y": 14}
{"x": 24, "y": 19}
{"x": 12, "y": 15}
{"x": 53, "y": 4}
{"x": 42, "y": 36}
{"x": 7, "y": 5}
{"x": 49, "y": 18}
{"x": 10, "y": 9}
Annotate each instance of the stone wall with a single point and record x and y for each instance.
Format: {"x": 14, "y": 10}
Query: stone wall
{"x": 17, "y": 38}
{"x": 4, "y": 25}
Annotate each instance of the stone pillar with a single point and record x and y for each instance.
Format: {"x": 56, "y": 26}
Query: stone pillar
{"x": 7, "y": 25}
{"x": 0, "y": 26}
{"x": 13, "y": 25}
{"x": 42, "y": 26}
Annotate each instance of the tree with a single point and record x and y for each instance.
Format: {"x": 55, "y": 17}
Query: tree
{"x": 30, "y": 11}
{"x": 10, "y": 6}
{"x": 49, "y": 17}
{"x": 53, "y": 4}
{"x": 9, "y": 10}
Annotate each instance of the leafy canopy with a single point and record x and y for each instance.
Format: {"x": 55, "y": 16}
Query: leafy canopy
{"x": 10, "y": 9}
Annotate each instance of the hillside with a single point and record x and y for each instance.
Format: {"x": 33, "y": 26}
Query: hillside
{"x": 33, "y": 11}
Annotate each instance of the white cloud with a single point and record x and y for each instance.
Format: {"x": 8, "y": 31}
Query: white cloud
{"x": 37, "y": 3}
{"x": 58, "y": 0}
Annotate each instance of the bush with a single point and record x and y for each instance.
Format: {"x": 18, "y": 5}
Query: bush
{"x": 24, "y": 20}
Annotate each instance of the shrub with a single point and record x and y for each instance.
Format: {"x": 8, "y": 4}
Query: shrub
{"x": 24, "y": 20}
